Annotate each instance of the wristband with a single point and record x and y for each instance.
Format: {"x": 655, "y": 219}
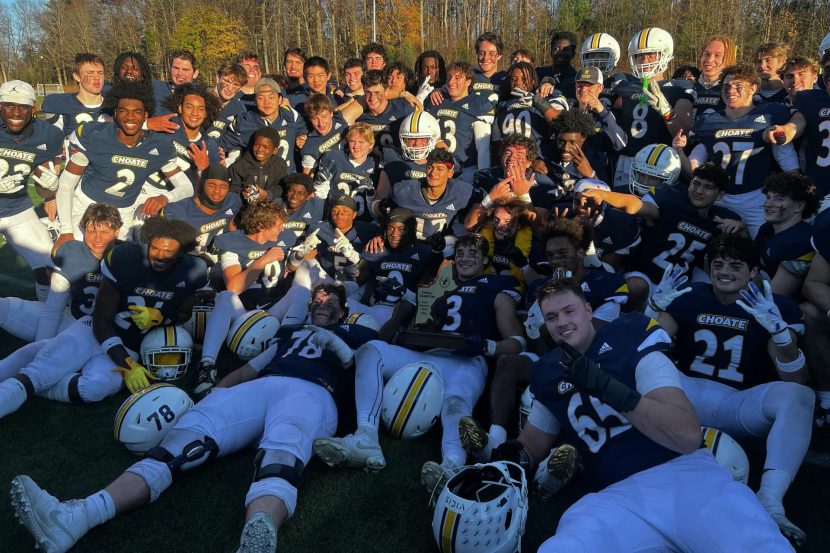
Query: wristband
{"x": 521, "y": 340}
{"x": 668, "y": 115}
{"x": 792, "y": 366}
{"x": 486, "y": 202}
{"x": 111, "y": 342}
{"x": 783, "y": 338}
{"x": 490, "y": 348}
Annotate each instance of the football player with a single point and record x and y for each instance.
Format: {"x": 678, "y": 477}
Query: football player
{"x": 486, "y": 75}
{"x": 328, "y": 127}
{"x": 250, "y": 61}
{"x": 718, "y": 53}
{"x": 373, "y": 56}
{"x": 563, "y": 46}
{"x": 465, "y": 121}
{"x": 419, "y": 135}
{"x": 734, "y": 342}
{"x": 144, "y": 285}
{"x": 650, "y": 109}
{"x": 75, "y": 277}
{"x": 115, "y": 159}
{"x": 483, "y": 309}
{"x": 253, "y": 269}
{"x": 785, "y": 237}
{"x": 814, "y": 105}
{"x": 797, "y": 74}
{"x": 430, "y": 73}
{"x": 575, "y": 155}
{"x": 608, "y": 136}
{"x": 183, "y": 70}
{"x": 614, "y": 395}
{"x": 229, "y": 80}
{"x": 817, "y": 313}
{"x": 352, "y": 73}
{"x": 132, "y": 67}
{"x": 317, "y": 79}
{"x": 507, "y": 226}
{"x": 384, "y": 115}
{"x": 28, "y": 147}
{"x": 293, "y": 60}
{"x": 769, "y": 58}
{"x": 736, "y": 139}
{"x": 399, "y": 77}
{"x": 67, "y": 110}
{"x": 302, "y": 206}
{"x": 281, "y": 401}
{"x": 269, "y": 112}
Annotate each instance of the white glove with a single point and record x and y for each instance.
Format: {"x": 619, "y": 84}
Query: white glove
{"x": 322, "y": 180}
{"x": 343, "y": 247}
{"x": 327, "y": 339}
{"x": 311, "y": 241}
{"x": 762, "y": 307}
{"x": 669, "y": 288}
{"x": 523, "y": 95}
{"x": 534, "y": 321}
{"x": 10, "y": 183}
{"x": 48, "y": 178}
{"x": 591, "y": 260}
{"x": 656, "y": 99}
{"x": 424, "y": 90}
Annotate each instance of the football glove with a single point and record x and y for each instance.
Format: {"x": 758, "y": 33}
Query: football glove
{"x": 322, "y": 180}
{"x": 10, "y": 183}
{"x": 389, "y": 288}
{"x": 588, "y": 377}
{"x": 136, "y": 377}
{"x": 669, "y": 288}
{"x": 311, "y": 241}
{"x": 523, "y": 95}
{"x": 250, "y": 193}
{"x": 534, "y": 321}
{"x": 48, "y": 178}
{"x": 327, "y": 339}
{"x": 145, "y": 317}
{"x": 762, "y": 307}
{"x": 475, "y": 346}
{"x": 424, "y": 90}
{"x": 655, "y": 98}
{"x": 436, "y": 242}
{"x": 343, "y": 247}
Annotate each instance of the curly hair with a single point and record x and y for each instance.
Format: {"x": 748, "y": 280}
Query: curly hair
{"x": 734, "y": 247}
{"x": 212, "y": 104}
{"x": 259, "y": 216}
{"x": 174, "y": 229}
{"x": 577, "y": 232}
{"x": 146, "y": 72}
{"x": 798, "y": 187}
{"x": 574, "y": 121}
{"x": 132, "y": 90}
{"x": 374, "y": 77}
{"x": 741, "y": 72}
{"x": 516, "y": 208}
{"x": 518, "y": 139}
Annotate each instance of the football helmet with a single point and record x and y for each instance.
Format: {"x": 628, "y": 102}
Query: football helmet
{"x": 196, "y": 324}
{"x": 419, "y": 124}
{"x": 525, "y": 403}
{"x": 655, "y": 160}
{"x": 363, "y": 319}
{"x": 251, "y": 333}
{"x": 824, "y": 46}
{"x": 412, "y": 400}
{"x": 148, "y": 415}
{"x": 650, "y": 40}
{"x": 482, "y": 509}
{"x": 728, "y": 453}
{"x": 600, "y": 50}
{"x": 165, "y": 351}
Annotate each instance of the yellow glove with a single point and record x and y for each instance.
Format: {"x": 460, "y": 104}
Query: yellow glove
{"x": 136, "y": 377}
{"x": 145, "y": 317}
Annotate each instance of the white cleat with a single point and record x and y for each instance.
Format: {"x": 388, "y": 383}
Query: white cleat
{"x": 356, "y": 450}
{"x": 259, "y": 535}
{"x": 55, "y": 525}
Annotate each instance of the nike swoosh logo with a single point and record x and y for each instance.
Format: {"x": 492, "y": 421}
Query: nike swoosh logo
{"x": 53, "y": 516}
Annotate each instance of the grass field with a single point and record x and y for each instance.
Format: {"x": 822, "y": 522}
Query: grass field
{"x": 70, "y": 451}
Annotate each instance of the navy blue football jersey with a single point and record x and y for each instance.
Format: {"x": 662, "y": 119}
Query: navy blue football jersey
{"x": 406, "y": 266}
{"x": 356, "y": 180}
{"x": 235, "y": 248}
{"x": 814, "y": 105}
{"x": 316, "y": 144}
{"x": 432, "y": 217}
{"x": 289, "y": 124}
{"x": 564, "y": 81}
{"x": 128, "y": 271}
{"x": 75, "y": 262}
{"x": 300, "y": 357}
{"x": 398, "y": 169}
{"x": 616, "y": 231}
{"x": 487, "y": 87}
{"x": 181, "y": 143}
{"x": 387, "y": 125}
{"x": 790, "y": 247}
{"x": 598, "y": 285}
{"x": 707, "y": 99}
{"x": 335, "y": 264}
{"x": 515, "y": 115}
{"x": 115, "y": 172}
{"x": 643, "y": 124}
{"x": 228, "y": 115}
{"x": 20, "y": 154}
{"x": 723, "y": 342}
{"x": 469, "y": 309}
{"x": 161, "y": 90}
{"x": 310, "y": 213}
{"x": 777, "y": 97}
{"x": 679, "y": 236}
{"x": 456, "y": 118}
{"x": 66, "y": 112}
{"x": 610, "y": 447}
{"x": 738, "y": 145}
{"x": 821, "y": 234}
{"x": 209, "y": 226}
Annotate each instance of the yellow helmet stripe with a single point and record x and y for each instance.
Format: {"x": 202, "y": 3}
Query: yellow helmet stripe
{"x": 410, "y": 397}
{"x": 449, "y": 525}
{"x": 170, "y": 335}
{"x": 413, "y": 123}
{"x": 199, "y": 327}
{"x": 244, "y": 328}
{"x": 711, "y": 438}
{"x": 655, "y": 154}
{"x": 643, "y": 42}
{"x": 122, "y": 411}
{"x": 595, "y": 40}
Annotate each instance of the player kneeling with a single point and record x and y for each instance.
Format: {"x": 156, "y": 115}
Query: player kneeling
{"x": 281, "y": 400}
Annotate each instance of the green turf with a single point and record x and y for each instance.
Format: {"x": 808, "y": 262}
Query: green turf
{"x": 70, "y": 451}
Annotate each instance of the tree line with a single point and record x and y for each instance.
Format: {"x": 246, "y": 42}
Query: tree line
{"x": 38, "y": 40}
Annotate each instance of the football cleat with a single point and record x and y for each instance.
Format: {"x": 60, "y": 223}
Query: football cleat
{"x": 358, "y": 450}
{"x": 558, "y": 470}
{"x": 474, "y": 439}
{"x": 55, "y": 525}
{"x": 259, "y": 535}
{"x": 205, "y": 379}
{"x": 434, "y": 476}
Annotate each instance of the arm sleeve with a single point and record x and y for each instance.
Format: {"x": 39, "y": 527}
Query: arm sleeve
{"x": 182, "y": 187}
{"x": 655, "y": 370}
{"x": 481, "y": 134}
{"x": 699, "y": 154}
{"x": 50, "y": 316}
{"x": 64, "y": 197}
{"x": 607, "y": 312}
{"x": 786, "y": 157}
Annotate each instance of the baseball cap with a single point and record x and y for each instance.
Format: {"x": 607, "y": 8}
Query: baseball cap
{"x": 345, "y": 200}
{"x": 589, "y": 75}
{"x": 17, "y": 92}
{"x": 216, "y": 171}
{"x": 272, "y": 85}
